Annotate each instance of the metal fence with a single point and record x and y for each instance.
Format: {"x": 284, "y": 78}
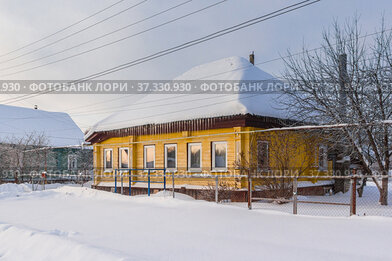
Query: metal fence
{"x": 43, "y": 178}
{"x": 358, "y": 195}
{"x": 315, "y": 196}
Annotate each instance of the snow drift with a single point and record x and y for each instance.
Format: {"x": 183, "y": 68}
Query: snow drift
{"x": 164, "y": 108}
{"x": 58, "y": 127}
{"x": 74, "y": 223}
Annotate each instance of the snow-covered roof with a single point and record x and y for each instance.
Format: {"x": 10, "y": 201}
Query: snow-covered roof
{"x": 165, "y": 108}
{"x": 57, "y": 127}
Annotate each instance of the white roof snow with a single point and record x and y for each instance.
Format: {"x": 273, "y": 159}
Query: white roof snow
{"x": 58, "y": 127}
{"x": 164, "y": 108}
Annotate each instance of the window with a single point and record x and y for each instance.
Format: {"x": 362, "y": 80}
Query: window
{"x": 194, "y": 156}
{"x": 219, "y": 155}
{"x": 72, "y": 162}
{"x": 171, "y": 156}
{"x": 322, "y": 158}
{"x": 149, "y": 157}
{"x": 262, "y": 155}
{"x": 108, "y": 159}
{"x": 123, "y": 158}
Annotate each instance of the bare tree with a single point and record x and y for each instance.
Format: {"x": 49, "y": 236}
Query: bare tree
{"x": 85, "y": 166}
{"x": 14, "y": 159}
{"x": 280, "y": 156}
{"x": 348, "y": 80}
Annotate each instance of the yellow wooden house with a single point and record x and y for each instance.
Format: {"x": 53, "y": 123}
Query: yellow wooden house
{"x": 199, "y": 135}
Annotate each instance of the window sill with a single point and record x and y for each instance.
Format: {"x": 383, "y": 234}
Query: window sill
{"x": 195, "y": 170}
{"x": 219, "y": 170}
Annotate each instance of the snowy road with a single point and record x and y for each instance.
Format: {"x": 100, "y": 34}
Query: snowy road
{"x": 73, "y": 223}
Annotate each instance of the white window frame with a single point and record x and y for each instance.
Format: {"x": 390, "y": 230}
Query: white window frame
{"x": 189, "y": 157}
{"x": 166, "y": 146}
{"x": 263, "y": 168}
{"x": 214, "y": 168}
{"x": 104, "y": 160}
{"x": 325, "y": 163}
{"x": 72, "y": 157}
{"x": 120, "y": 158}
{"x": 145, "y": 158}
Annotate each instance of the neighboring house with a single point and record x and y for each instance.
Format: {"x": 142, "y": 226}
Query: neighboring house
{"x": 37, "y": 140}
{"x": 195, "y": 133}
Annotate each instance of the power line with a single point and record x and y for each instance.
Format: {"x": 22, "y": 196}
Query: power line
{"x": 289, "y": 56}
{"x": 222, "y": 32}
{"x": 114, "y": 42}
{"x": 23, "y": 97}
{"x": 209, "y": 37}
{"x": 63, "y": 29}
{"x": 291, "y": 128}
{"x": 152, "y": 106}
{"x": 99, "y": 37}
{"x": 56, "y": 137}
{"x": 245, "y": 67}
{"x": 75, "y": 33}
{"x": 188, "y": 44}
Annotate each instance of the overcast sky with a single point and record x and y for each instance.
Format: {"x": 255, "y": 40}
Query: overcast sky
{"x": 23, "y": 21}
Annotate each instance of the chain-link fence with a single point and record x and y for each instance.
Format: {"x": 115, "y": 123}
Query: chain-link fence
{"x": 321, "y": 196}
{"x": 338, "y": 196}
{"x": 316, "y": 196}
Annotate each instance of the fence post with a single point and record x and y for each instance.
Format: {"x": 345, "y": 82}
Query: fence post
{"x": 122, "y": 183}
{"x": 164, "y": 179}
{"x": 216, "y": 189}
{"x": 249, "y": 192}
{"x": 148, "y": 189}
{"x": 295, "y": 198}
{"x": 130, "y": 181}
{"x": 173, "y": 183}
{"x": 353, "y": 203}
{"x": 32, "y": 183}
{"x": 115, "y": 181}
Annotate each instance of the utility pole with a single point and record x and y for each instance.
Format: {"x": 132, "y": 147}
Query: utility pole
{"x": 343, "y": 80}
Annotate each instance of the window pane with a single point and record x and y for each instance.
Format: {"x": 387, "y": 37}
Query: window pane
{"x": 150, "y": 157}
{"x": 195, "y": 156}
{"x": 124, "y": 156}
{"x": 220, "y": 155}
{"x": 262, "y": 155}
{"x": 171, "y": 157}
{"x": 322, "y": 157}
{"x": 72, "y": 162}
{"x": 108, "y": 159}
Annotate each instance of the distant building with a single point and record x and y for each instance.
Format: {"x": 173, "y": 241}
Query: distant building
{"x": 37, "y": 140}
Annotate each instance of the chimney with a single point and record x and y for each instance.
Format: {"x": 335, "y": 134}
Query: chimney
{"x": 35, "y": 107}
{"x": 252, "y": 58}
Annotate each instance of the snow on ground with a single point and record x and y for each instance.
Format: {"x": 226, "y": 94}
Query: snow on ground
{"x": 78, "y": 223}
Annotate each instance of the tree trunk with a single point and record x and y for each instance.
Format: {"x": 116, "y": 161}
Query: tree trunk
{"x": 384, "y": 192}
